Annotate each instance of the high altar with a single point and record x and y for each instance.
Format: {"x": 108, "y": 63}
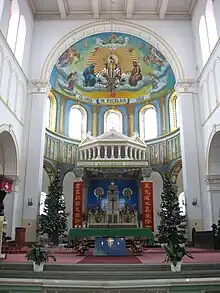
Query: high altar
{"x": 115, "y": 192}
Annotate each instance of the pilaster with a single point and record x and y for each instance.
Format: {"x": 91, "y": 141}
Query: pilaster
{"x": 213, "y": 190}
{"x": 38, "y": 91}
{"x": 163, "y": 115}
{"x": 95, "y": 111}
{"x": 187, "y": 89}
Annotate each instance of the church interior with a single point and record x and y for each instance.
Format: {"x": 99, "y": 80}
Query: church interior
{"x": 109, "y": 146}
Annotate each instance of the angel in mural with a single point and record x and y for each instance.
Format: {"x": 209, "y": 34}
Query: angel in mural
{"x": 71, "y": 80}
{"x": 153, "y": 58}
{"x": 135, "y": 74}
{"x": 89, "y": 75}
{"x": 69, "y": 56}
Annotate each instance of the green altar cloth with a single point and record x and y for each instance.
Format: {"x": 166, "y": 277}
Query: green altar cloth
{"x": 111, "y": 232}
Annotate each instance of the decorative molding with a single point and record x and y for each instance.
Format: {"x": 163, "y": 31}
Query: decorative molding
{"x": 112, "y": 163}
{"x": 38, "y": 86}
{"x": 120, "y": 15}
{"x": 186, "y": 86}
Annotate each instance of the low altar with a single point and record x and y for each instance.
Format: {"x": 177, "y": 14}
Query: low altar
{"x": 109, "y": 232}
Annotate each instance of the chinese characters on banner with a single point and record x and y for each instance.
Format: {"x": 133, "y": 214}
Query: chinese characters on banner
{"x": 77, "y": 203}
{"x": 147, "y": 205}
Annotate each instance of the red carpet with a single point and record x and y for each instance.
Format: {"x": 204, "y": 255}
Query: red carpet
{"x": 90, "y": 259}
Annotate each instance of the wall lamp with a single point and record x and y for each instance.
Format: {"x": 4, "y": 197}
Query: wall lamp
{"x": 30, "y": 202}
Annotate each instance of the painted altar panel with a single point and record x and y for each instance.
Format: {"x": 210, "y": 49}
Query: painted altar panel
{"x": 93, "y": 200}
{"x": 112, "y": 68}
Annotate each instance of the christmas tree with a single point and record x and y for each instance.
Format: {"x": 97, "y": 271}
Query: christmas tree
{"x": 172, "y": 228}
{"x": 53, "y": 221}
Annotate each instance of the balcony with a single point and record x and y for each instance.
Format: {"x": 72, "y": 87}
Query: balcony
{"x": 160, "y": 150}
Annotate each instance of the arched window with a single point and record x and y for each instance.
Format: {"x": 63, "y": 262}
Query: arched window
{"x": 204, "y": 42}
{"x": 113, "y": 120}
{"x": 148, "y": 122}
{"x": 211, "y": 25}
{"x": 77, "y": 122}
{"x": 13, "y": 25}
{"x": 51, "y": 111}
{"x": 19, "y": 51}
{"x": 182, "y": 203}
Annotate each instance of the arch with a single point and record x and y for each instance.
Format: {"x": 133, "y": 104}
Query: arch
{"x": 173, "y": 112}
{"x": 148, "y": 122}
{"x": 113, "y": 118}
{"x": 204, "y": 41}
{"x": 51, "y": 111}
{"x": 80, "y": 113}
{"x": 9, "y": 148}
{"x": 106, "y": 26}
{"x": 175, "y": 170}
{"x": 13, "y": 25}
{"x": 214, "y": 155}
{"x": 21, "y": 36}
{"x": 214, "y": 134}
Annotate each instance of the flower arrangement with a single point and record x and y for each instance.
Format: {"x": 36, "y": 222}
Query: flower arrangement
{"x": 127, "y": 213}
{"x": 137, "y": 246}
{"x": 82, "y": 247}
{"x": 98, "y": 213}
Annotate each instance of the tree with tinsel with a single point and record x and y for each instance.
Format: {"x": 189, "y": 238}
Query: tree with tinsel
{"x": 53, "y": 221}
{"x": 172, "y": 226}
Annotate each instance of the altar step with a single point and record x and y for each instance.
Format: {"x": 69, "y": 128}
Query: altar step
{"x": 108, "y": 272}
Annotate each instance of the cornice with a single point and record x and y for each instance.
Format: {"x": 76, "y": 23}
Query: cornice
{"x": 38, "y": 86}
{"x": 118, "y": 16}
{"x": 186, "y": 86}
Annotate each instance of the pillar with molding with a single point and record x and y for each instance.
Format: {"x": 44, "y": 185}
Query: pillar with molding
{"x": 187, "y": 93}
{"x": 38, "y": 92}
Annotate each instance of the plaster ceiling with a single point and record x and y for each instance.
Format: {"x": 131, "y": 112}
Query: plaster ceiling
{"x": 99, "y": 9}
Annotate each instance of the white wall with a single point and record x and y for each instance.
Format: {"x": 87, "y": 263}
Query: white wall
{"x": 49, "y": 33}
{"x": 68, "y": 195}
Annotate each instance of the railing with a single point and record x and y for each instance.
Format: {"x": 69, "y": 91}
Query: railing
{"x": 65, "y": 150}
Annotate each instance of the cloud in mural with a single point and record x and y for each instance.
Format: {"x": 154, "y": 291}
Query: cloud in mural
{"x": 106, "y": 62}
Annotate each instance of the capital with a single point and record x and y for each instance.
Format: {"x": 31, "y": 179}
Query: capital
{"x": 186, "y": 86}
{"x": 38, "y": 86}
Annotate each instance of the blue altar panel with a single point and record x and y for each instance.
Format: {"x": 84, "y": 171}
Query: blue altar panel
{"x": 110, "y": 246}
{"x": 93, "y": 201}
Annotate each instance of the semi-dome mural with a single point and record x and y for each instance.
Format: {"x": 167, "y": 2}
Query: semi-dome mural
{"x": 112, "y": 68}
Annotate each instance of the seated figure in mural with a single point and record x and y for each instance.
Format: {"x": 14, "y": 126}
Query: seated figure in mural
{"x": 135, "y": 74}
{"x": 71, "y": 80}
{"x": 89, "y": 75}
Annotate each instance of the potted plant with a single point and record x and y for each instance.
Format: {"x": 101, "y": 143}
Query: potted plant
{"x": 39, "y": 256}
{"x": 175, "y": 254}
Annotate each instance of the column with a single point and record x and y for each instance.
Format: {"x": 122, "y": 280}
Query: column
{"x": 62, "y": 114}
{"x": 135, "y": 154}
{"x": 163, "y": 115}
{"x": 131, "y": 124}
{"x": 126, "y": 152}
{"x": 90, "y": 154}
{"x": 94, "y": 121}
{"x": 190, "y": 156}
{"x": 105, "y": 152}
{"x": 112, "y": 152}
{"x": 130, "y": 153}
{"x": 119, "y": 152}
{"x": 98, "y": 154}
{"x": 80, "y": 155}
{"x": 94, "y": 154}
{"x": 38, "y": 92}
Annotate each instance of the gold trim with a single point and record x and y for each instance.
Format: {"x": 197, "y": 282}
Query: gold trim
{"x": 172, "y": 111}
{"x": 52, "y": 110}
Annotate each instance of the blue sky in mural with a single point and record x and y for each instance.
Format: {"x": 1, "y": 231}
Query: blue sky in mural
{"x": 90, "y": 68}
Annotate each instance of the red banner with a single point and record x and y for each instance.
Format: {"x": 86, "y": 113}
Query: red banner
{"x": 5, "y": 185}
{"x": 147, "y": 205}
{"x": 77, "y": 203}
